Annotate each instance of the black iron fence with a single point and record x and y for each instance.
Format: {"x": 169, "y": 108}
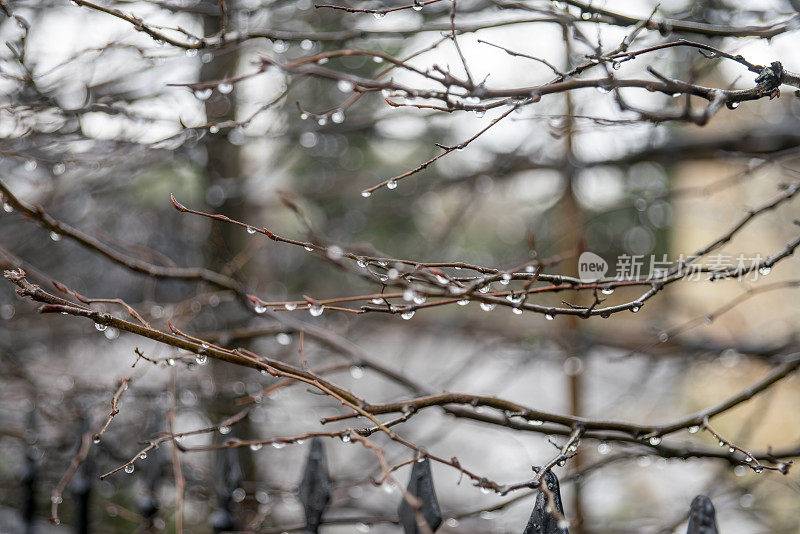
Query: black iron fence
{"x": 418, "y": 511}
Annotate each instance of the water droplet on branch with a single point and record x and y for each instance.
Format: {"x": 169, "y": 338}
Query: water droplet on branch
{"x": 202, "y": 94}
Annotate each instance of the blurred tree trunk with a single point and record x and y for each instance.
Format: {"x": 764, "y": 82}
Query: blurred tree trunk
{"x": 224, "y": 186}
{"x": 572, "y": 228}
{"x": 224, "y": 181}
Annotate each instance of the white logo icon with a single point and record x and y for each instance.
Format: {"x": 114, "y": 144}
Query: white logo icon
{"x": 591, "y": 267}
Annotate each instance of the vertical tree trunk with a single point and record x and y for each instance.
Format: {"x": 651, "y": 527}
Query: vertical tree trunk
{"x": 224, "y": 185}
{"x": 572, "y": 229}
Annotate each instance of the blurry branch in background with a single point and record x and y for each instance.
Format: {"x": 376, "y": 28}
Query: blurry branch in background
{"x": 177, "y": 469}
{"x": 56, "y": 495}
{"x": 603, "y": 16}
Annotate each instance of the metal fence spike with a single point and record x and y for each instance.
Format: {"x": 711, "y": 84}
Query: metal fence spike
{"x": 541, "y": 521}
{"x": 420, "y": 485}
{"x": 222, "y": 521}
{"x": 81, "y": 484}
{"x": 228, "y": 471}
{"x": 29, "y": 483}
{"x": 153, "y": 470}
{"x": 30, "y": 476}
{"x": 702, "y": 517}
{"x": 315, "y": 488}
